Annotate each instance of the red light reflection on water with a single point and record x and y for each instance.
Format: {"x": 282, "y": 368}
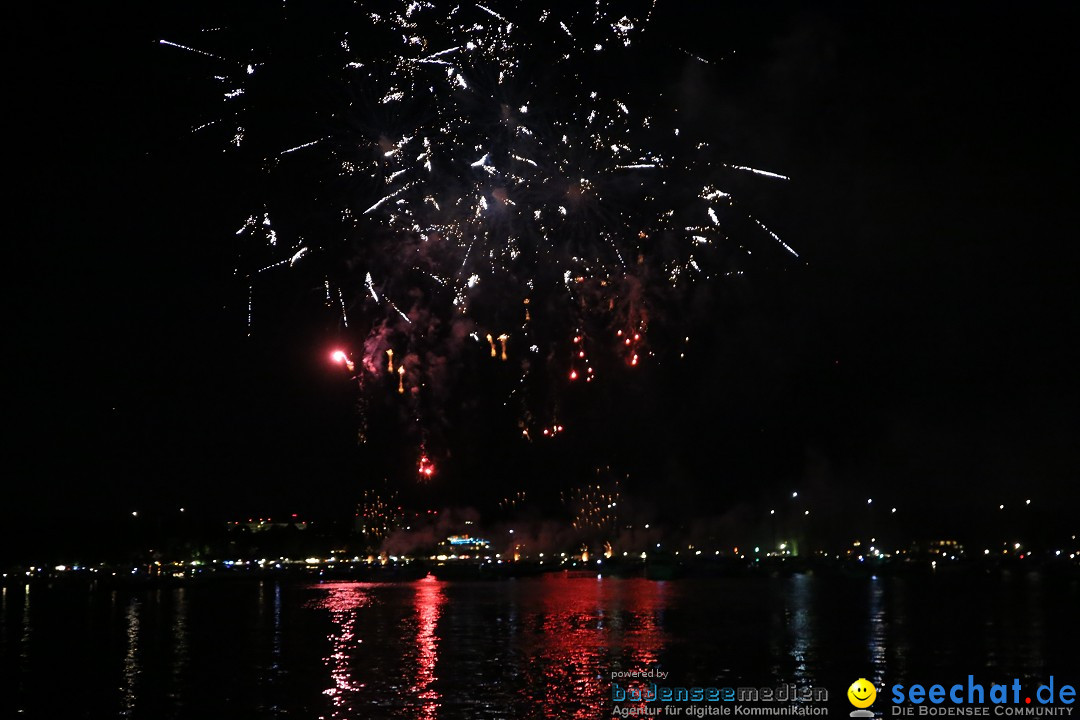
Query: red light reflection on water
{"x": 428, "y": 603}
{"x": 342, "y": 597}
{"x": 342, "y": 600}
{"x": 587, "y": 629}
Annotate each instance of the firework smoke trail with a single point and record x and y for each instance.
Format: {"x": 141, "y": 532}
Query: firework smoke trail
{"x": 496, "y": 187}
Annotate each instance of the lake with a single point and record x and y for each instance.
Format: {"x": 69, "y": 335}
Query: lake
{"x": 542, "y": 647}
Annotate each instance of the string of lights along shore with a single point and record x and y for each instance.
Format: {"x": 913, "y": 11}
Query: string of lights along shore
{"x": 484, "y": 186}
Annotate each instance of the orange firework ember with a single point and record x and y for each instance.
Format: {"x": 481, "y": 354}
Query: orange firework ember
{"x": 401, "y": 379}
{"x": 491, "y": 341}
{"x": 390, "y": 361}
{"x": 502, "y": 339}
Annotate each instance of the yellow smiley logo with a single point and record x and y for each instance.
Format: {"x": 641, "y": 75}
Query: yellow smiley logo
{"x": 862, "y": 693}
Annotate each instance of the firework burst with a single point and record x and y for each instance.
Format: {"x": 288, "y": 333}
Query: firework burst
{"x": 477, "y": 183}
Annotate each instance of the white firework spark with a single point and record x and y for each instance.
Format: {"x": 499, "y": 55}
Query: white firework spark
{"x": 544, "y": 187}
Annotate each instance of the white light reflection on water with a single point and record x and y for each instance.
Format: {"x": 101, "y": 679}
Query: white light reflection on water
{"x": 801, "y": 628}
{"x": 24, "y": 640}
{"x": 180, "y": 649}
{"x": 275, "y": 665}
{"x": 131, "y": 659}
{"x": 272, "y": 671}
{"x": 877, "y": 641}
{"x": 343, "y": 600}
{"x": 3, "y": 621}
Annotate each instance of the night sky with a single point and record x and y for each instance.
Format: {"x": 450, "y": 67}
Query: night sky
{"x": 925, "y": 352}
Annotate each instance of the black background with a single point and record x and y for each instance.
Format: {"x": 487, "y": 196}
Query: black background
{"x": 924, "y": 354}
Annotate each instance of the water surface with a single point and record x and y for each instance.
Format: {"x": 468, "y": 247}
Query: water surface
{"x": 539, "y": 647}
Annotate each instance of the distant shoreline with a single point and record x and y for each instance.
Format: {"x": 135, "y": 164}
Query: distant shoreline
{"x": 179, "y": 575}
